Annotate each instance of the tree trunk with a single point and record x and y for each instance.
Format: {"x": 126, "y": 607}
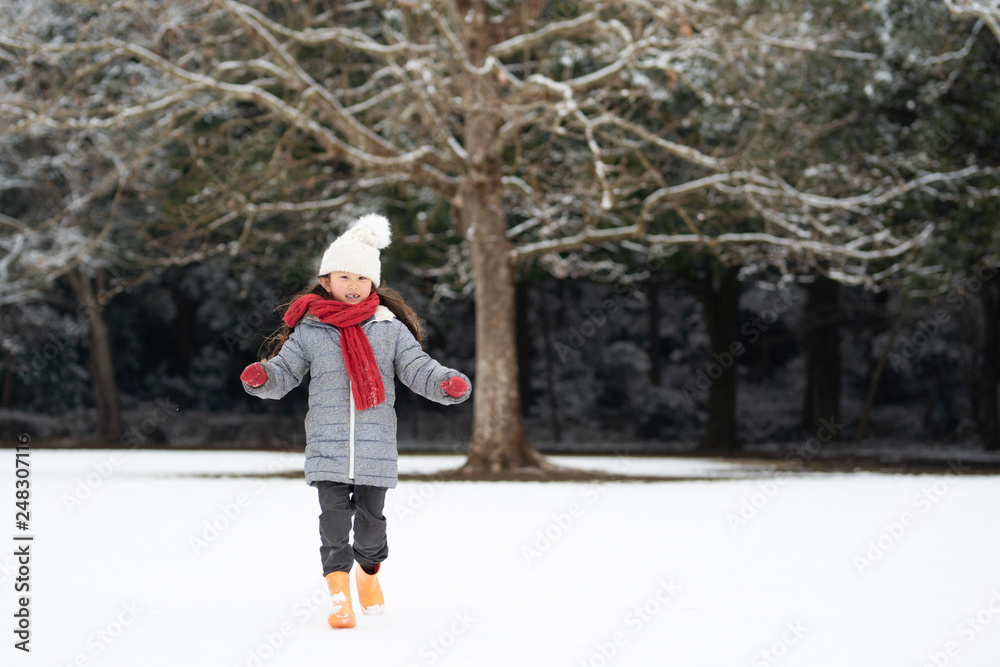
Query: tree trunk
{"x": 8, "y": 379}
{"x": 102, "y": 369}
{"x": 989, "y": 384}
{"x": 550, "y": 381}
{"x": 560, "y": 314}
{"x": 498, "y": 439}
{"x": 822, "y": 315}
{"x": 880, "y": 319}
{"x": 873, "y": 384}
{"x": 653, "y": 313}
{"x": 184, "y": 336}
{"x": 721, "y": 307}
{"x": 523, "y": 344}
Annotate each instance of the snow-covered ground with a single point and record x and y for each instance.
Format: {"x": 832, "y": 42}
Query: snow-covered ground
{"x": 165, "y": 558}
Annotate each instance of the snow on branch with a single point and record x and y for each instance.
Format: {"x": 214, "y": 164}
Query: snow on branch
{"x": 718, "y": 242}
{"x": 312, "y": 206}
{"x": 357, "y": 133}
{"x": 987, "y": 12}
{"x": 687, "y": 153}
{"x": 543, "y": 35}
{"x": 875, "y": 197}
{"x": 410, "y": 161}
{"x": 354, "y": 39}
{"x": 599, "y": 127}
{"x": 768, "y": 196}
{"x": 812, "y": 47}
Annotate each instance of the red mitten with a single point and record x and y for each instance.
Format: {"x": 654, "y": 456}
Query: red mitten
{"x": 455, "y": 387}
{"x": 254, "y": 375}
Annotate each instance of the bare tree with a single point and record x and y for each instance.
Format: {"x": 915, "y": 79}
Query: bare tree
{"x": 551, "y": 129}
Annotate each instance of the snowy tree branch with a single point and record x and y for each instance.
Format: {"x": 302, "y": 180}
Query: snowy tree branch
{"x": 987, "y": 12}
{"x": 543, "y": 35}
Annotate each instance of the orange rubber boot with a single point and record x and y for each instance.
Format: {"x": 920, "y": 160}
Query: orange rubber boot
{"x": 342, "y": 615}
{"x": 369, "y": 591}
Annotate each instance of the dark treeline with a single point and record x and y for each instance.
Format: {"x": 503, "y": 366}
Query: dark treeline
{"x": 601, "y": 363}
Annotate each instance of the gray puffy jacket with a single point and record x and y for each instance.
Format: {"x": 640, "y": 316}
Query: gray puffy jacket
{"x": 344, "y": 444}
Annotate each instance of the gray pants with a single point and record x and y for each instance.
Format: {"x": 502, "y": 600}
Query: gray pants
{"x": 339, "y": 503}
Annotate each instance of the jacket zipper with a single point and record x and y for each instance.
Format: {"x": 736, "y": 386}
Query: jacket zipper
{"x": 350, "y": 471}
{"x": 350, "y": 392}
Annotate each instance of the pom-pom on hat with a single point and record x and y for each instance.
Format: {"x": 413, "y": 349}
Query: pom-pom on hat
{"x": 357, "y": 249}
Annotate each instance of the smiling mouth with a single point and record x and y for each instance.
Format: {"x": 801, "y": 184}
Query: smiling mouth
{"x": 353, "y": 296}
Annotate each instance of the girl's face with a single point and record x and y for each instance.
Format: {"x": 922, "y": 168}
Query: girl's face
{"x": 347, "y": 287}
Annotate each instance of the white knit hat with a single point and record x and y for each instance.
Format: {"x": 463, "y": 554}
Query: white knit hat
{"x": 356, "y": 250}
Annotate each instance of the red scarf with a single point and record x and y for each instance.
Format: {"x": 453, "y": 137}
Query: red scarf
{"x": 362, "y": 369}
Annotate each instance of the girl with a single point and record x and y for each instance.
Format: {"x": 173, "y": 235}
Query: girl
{"x": 353, "y": 339}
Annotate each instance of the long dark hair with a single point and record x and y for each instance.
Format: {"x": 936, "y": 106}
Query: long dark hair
{"x": 387, "y": 296}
